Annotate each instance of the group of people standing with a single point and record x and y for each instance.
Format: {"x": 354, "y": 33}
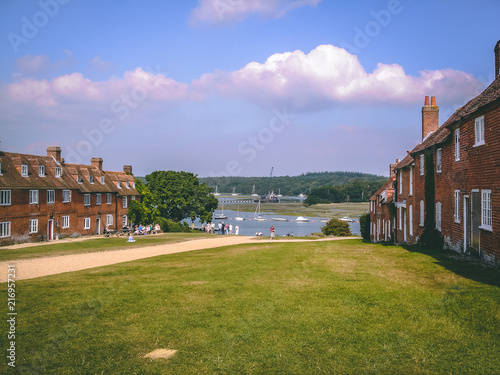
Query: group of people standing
{"x": 222, "y": 228}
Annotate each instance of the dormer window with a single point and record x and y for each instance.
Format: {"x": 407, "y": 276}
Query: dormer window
{"x": 41, "y": 170}
{"x": 24, "y": 170}
{"x": 127, "y": 185}
{"x": 118, "y": 184}
{"x": 91, "y": 179}
{"x": 133, "y": 184}
{"x": 102, "y": 180}
{"x": 79, "y": 179}
{"x": 58, "y": 172}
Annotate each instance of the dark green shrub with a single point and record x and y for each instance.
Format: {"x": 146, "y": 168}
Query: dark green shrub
{"x": 171, "y": 226}
{"x": 431, "y": 239}
{"x": 336, "y": 227}
{"x": 364, "y": 226}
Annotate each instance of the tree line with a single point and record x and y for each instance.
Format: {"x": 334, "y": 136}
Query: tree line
{"x": 356, "y": 191}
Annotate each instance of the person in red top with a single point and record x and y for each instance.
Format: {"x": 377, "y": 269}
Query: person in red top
{"x": 272, "y": 233}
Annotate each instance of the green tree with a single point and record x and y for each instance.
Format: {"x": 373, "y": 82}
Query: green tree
{"x": 364, "y": 224}
{"x": 179, "y": 195}
{"x": 143, "y": 211}
{"x": 336, "y": 227}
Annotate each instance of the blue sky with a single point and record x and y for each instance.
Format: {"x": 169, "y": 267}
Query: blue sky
{"x": 235, "y": 87}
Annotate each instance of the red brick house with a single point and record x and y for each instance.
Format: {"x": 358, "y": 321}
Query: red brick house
{"x": 381, "y": 210}
{"x": 44, "y": 198}
{"x": 462, "y": 182}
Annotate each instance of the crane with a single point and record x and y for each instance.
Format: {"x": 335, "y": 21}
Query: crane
{"x": 269, "y": 184}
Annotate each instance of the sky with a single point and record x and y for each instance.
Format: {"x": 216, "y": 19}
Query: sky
{"x": 237, "y": 87}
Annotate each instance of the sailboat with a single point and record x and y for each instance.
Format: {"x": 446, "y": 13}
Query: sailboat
{"x": 216, "y": 190}
{"x": 234, "y": 192}
{"x": 279, "y": 193}
{"x": 253, "y": 192}
{"x": 257, "y": 216}
{"x": 238, "y": 217}
{"x": 220, "y": 216}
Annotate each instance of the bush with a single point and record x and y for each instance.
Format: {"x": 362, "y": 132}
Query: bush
{"x": 364, "y": 226}
{"x": 431, "y": 240}
{"x": 336, "y": 227}
{"x": 171, "y": 226}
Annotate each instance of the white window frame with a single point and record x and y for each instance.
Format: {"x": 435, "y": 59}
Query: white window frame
{"x": 4, "y": 229}
{"x": 98, "y": 199}
{"x": 91, "y": 179}
{"x": 422, "y": 164}
{"x": 41, "y": 170}
{"x": 66, "y": 196}
{"x": 24, "y": 170}
{"x": 479, "y": 131}
{"x": 133, "y": 184}
{"x": 124, "y": 221}
{"x": 34, "y": 197}
{"x": 127, "y": 185}
{"x": 109, "y": 198}
{"x": 102, "y": 180}
{"x": 422, "y": 213}
{"x": 86, "y": 199}
{"x": 400, "y": 181}
{"x": 118, "y": 184}
{"x": 58, "y": 172}
{"x": 400, "y": 221}
{"x": 411, "y": 182}
{"x": 438, "y": 216}
{"x": 109, "y": 219}
{"x": 457, "y": 206}
{"x": 65, "y": 221}
{"x": 410, "y": 213}
{"x": 5, "y": 197}
{"x": 79, "y": 179}
{"x": 125, "y": 202}
{"x": 457, "y": 144}
{"x": 439, "y": 162}
{"x": 86, "y": 223}
{"x": 51, "y": 196}
{"x": 486, "y": 210}
{"x": 33, "y": 226}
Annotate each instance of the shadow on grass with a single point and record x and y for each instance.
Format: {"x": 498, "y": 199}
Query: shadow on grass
{"x": 468, "y": 266}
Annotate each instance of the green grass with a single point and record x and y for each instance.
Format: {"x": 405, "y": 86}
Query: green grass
{"x": 341, "y": 307}
{"x": 55, "y": 248}
{"x": 336, "y": 210}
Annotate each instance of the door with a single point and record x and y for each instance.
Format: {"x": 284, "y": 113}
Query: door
{"x": 475, "y": 210}
{"x": 98, "y": 225}
{"x": 466, "y": 222}
{"x": 50, "y": 230}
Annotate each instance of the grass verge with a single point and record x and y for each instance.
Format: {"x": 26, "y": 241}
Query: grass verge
{"x": 284, "y": 308}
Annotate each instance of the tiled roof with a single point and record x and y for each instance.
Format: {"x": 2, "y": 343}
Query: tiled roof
{"x": 408, "y": 160}
{"x": 386, "y": 186}
{"x": 10, "y": 175}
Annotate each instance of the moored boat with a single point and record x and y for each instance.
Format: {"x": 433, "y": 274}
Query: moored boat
{"x": 302, "y": 219}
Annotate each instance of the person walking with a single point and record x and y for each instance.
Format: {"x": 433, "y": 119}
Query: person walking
{"x": 236, "y": 230}
{"x": 272, "y": 233}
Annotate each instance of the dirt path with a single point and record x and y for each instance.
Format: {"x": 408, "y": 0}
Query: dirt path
{"x": 32, "y": 268}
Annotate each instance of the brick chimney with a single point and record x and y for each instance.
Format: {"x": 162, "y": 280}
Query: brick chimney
{"x": 497, "y": 59}
{"x": 55, "y": 152}
{"x": 96, "y": 163}
{"x": 127, "y": 169}
{"x": 430, "y": 117}
{"x": 392, "y": 172}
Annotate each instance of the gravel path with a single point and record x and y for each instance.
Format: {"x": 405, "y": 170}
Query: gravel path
{"x": 38, "y": 267}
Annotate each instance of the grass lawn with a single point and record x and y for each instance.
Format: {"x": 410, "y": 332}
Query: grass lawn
{"x": 341, "y": 307}
{"x": 55, "y": 248}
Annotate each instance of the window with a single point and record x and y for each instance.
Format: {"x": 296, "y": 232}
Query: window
{"x": 400, "y": 218}
{"x": 410, "y": 212}
{"x": 124, "y": 202}
{"x": 486, "y": 218}
{"x": 108, "y": 198}
{"x": 438, "y": 216}
{"x": 411, "y": 182}
{"x": 66, "y": 196}
{"x": 91, "y": 179}
{"x": 24, "y": 170}
{"x": 5, "y": 198}
{"x": 79, "y": 179}
{"x": 438, "y": 161}
{"x": 102, "y": 179}
{"x": 118, "y": 184}
{"x": 421, "y": 164}
{"x": 86, "y": 200}
{"x": 41, "y": 170}
{"x": 98, "y": 199}
{"x": 51, "y": 196}
{"x": 65, "y": 221}
{"x": 33, "y": 196}
{"x": 58, "y": 172}
{"x": 479, "y": 131}
{"x": 457, "y": 145}
{"x": 127, "y": 185}
{"x": 400, "y": 181}
{"x": 133, "y": 184}
{"x": 422, "y": 213}
{"x": 33, "y": 225}
{"x": 109, "y": 220}
{"x": 457, "y": 206}
{"x": 86, "y": 223}
{"x": 132, "y": 197}
{"x": 4, "y": 229}
{"x": 124, "y": 220}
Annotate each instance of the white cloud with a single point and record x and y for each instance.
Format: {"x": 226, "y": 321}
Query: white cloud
{"x": 100, "y": 65}
{"x": 226, "y": 11}
{"x": 31, "y": 65}
{"x": 329, "y": 75}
